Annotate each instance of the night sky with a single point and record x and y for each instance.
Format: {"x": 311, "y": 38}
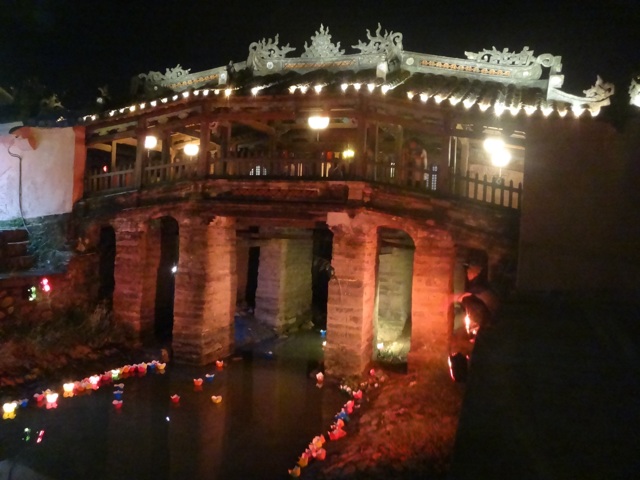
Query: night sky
{"x": 74, "y": 46}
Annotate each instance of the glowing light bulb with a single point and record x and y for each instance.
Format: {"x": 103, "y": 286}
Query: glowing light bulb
{"x": 150, "y": 142}
{"x": 318, "y": 88}
{"x": 292, "y": 88}
{"x": 344, "y": 87}
{"x": 191, "y": 149}
{"x": 371, "y": 87}
{"x": 318, "y": 122}
{"x": 227, "y": 92}
{"x": 357, "y": 86}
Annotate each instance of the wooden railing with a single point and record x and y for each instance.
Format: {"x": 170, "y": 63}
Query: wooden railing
{"x": 495, "y": 190}
{"x": 120, "y": 179}
{"x": 167, "y": 173}
{"x": 306, "y": 166}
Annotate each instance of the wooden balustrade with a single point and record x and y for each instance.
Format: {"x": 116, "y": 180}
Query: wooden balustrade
{"x": 308, "y": 166}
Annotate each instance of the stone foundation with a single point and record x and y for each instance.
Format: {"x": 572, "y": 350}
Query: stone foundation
{"x": 283, "y": 297}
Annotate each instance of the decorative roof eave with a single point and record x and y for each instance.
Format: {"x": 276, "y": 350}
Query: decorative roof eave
{"x": 595, "y": 98}
{"x": 526, "y": 75}
{"x": 501, "y": 80}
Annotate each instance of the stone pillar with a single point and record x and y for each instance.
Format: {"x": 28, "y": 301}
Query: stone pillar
{"x": 433, "y": 267}
{"x": 395, "y": 273}
{"x": 242, "y": 269}
{"x": 205, "y": 290}
{"x": 131, "y": 282}
{"x": 351, "y": 295}
{"x": 283, "y": 297}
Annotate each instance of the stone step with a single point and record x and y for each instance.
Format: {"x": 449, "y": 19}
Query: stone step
{"x": 13, "y": 236}
{"x": 14, "y": 249}
{"x": 23, "y": 262}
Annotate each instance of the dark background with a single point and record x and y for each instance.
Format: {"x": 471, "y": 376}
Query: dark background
{"x": 74, "y": 46}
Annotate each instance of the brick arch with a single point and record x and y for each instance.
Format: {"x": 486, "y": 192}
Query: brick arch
{"x": 351, "y": 294}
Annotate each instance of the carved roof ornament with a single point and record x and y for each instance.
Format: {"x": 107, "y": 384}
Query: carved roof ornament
{"x": 264, "y": 51}
{"x": 321, "y": 45}
{"x": 634, "y": 91}
{"x": 600, "y": 90}
{"x": 524, "y": 58}
{"x": 153, "y": 79}
{"x": 389, "y": 44}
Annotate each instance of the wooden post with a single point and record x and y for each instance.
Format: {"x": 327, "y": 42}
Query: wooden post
{"x": 203, "y": 155}
{"x": 140, "y": 152}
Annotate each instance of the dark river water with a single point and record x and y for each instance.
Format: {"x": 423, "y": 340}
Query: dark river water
{"x": 270, "y": 412}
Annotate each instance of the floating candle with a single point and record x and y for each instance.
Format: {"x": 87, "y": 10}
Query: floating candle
{"x": 216, "y": 398}
{"x": 9, "y": 410}
{"x": 68, "y": 389}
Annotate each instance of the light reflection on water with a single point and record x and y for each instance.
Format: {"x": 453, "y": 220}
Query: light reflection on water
{"x": 269, "y": 413}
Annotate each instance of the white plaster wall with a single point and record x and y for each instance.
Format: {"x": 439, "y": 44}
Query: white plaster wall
{"x": 47, "y": 175}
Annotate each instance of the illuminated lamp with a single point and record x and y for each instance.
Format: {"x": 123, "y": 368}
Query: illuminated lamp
{"x": 468, "y": 103}
{"x": 292, "y": 88}
{"x": 380, "y": 345}
{"x": 304, "y": 88}
{"x": 44, "y": 283}
{"x": 514, "y": 109}
{"x": 227, "y": 92}
{"x": 318, "y": 122}
{"x": 153, "y": 103}
{"x": 174, "y": 98}
{"x": 142, "y": 106}
{"x": 150, "y": 142}
{"x": 493, "y": 144}
{"x": 594, "y": 111}
{"x": 500, "y": 158}
{"x": 577, "y": 110}
{"x": 438, "y": 98}
{"x": 318, "y": 89}
{"x": 384, "y": 89}
{"x": 424, "y": 97}
{"x": 174, "y": 269}
{"x": 454, "y": 100}
{"x": 185, "y": 94}
{"x": 547, "y": 110}
{"x": 191, "y": 149}
{"x": 410, "y": 95}
{"x": 348, "y": 154}
{"x": 371, "y": 87}
{"x": 357, "y": 86}
{"x": 498, "y": 108}
{"x": 344, "y": 87}
{"x": 529, "y": 109}
{"x": 205, "y": 92}
{"x": 254, "y": 91}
